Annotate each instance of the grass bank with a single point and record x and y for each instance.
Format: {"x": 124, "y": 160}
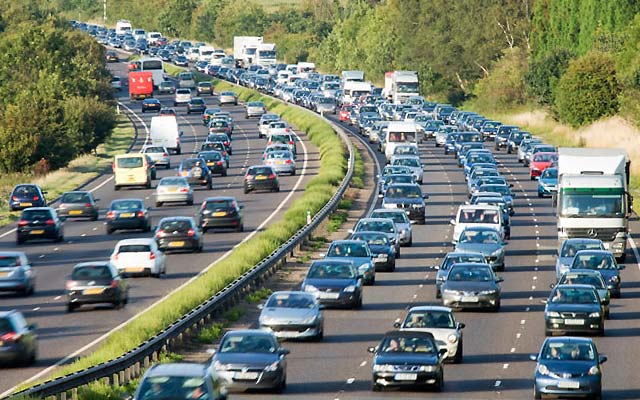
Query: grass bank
{"x": 79, "y": 171}
{"x": 318, "y": 191}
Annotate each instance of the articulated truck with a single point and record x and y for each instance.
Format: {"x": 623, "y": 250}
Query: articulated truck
{"x": 593, "y": 198}
{"x": 399, "y": 86}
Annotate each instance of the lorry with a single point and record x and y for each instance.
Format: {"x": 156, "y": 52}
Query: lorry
{"x": 123, "y": 26}
{"x": 164, "y": 132}
{"x": 205, "y": 53}
{"x": 593, "y": 199}
{"x": 399, "y": 86}
{"x": 140, "y": 85}
{"x": 352, "y": 76}
{"x": 354, "y": 89}
{"x": 266, "y": 55}
{"x": 245, "y": 49}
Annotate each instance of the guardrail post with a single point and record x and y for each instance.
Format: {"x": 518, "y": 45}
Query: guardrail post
{"x": 74, "y": 394}
{"x": 121, "y": 377}
{"x": 136, "y": 370}
{"x": 146, "y": 362}
{"x": 154, "y": 356}
{"x": 116, "y": 379}
{"x": 63, "y": 396}
{"x": 127, "y": 374}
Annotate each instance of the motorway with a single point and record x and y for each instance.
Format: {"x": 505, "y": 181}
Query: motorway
{"x": 62, "y": 336}
{"x": 496, "y": 345}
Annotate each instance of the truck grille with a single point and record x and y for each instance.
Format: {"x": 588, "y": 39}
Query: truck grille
{"x": 604, "y": 234}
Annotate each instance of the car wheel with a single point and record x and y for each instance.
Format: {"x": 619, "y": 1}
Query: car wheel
{"x": 146, "y": 228}
{"x": 190, "y": 202}
{"x": 359, "y": 303}
{"x": 410, "y": 242}
{"x": 548, "y": 332}
{"x": 601, "y": 332}
{"x": 158, "y": 204}
{"x": 168, "y": 166}
{"x": 439, "y": 384}
{"x": 199, "y": 249}
{"x": 156, "y": 275}
{"x": 536, "y": 394}
{"x": 240, "y": 228}
{"x": 509, "y": 150}
{"x": 224, "y": 173}
{"x": 71, "y": 307}
{"x": 148, "y": 184}
{"x": 458, "y": 358}
{"x": 19, "y": 241}
{"x": 209, "y": 185}
{"x": 282, "y": 386}
{"x": 178, "y": 151}
{"x": 116, "y": 188}
{"x": 496, "y": 308}
{"x": 540, "y": 195}
{"x": 60, "y": 238}
{"x": 246, "y": 190}
{"x": 438, "y": 294}
{"x": 376, "y": 388}
{"x": 293, "y": 172}
{"x": 95, "y": 217}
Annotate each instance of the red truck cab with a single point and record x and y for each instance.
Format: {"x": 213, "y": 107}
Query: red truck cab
{"x": 140, "y": 84}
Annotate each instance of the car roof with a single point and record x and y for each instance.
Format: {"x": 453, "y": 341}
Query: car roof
{"x": 248, "y": 332}
{"x": 177, "y": 369}
{"x": 346, "y": 241}
{"x": 431, "y": 308}
{"x": 375, "y": 220}
{"x": 471, "y": 264}
{"x": 135, "y": 241}
{"x": 580, "y": 271}
{"x": 332, "y": 261}
{"x": 575, "y": 286}
{"x": 581, "y": 240}
{"x": 90, "y": 263}
{"x": 217, "y": 198}
{"x": 122, "y": 200}
{"x": 11, "y": 253}
{"x": 409, "y": 334}
{"x": 569, "y": 339}
{"x": 594, "y": 252}
{"x": 478, "y": 207}
{"x": 176, "y": 218}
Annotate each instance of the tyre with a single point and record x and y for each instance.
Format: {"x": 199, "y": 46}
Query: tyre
{"x": 71, "y": 307}
{"x": 376, "y": 388}
{"x": 178, "y": 151}
{"x": 536, "y": 394}
{"x": 148, "y": 184}
{"x": 60, "y": 238}
{"x": 246, "y": 190}
{"x": 540, "y": 195}
{"x": 224, "y": 173}
{"x": 439, "y": 385}
{"x": 116, "y": 188}
{"x": 94, "y": 218}
{"x": 240, "y": 228}
{"x": 209, "y": 185}
{"x": 293, "y": 172}
{"x": 146, "y": 228}
{"x": 496, "y": 308}
{"x": 168, "y": 166}
{"x": 459, "y": 354}
{"x": 109, "y": 230}
{"x": 548, "y": 332}
{"x": 190, "y": 202}
{"x": 19, "y": 241}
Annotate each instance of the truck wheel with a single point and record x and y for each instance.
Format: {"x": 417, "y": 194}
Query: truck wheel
{"x": 178, "y": 151}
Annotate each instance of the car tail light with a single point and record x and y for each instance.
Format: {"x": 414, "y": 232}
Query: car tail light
{"x": 50, "y": 222}
{"x": 113, "y": 167}
{"x": 111, "y": 215}
{"x": 227, "y": 143}
{"x": 70, "y": 285}
{"x": 272, "y": 176}
{"x": 140, "y": 214}
{"x": 224, "y": 153}
{"x": 165, "y": 154}
{"x": 11, "y": 337}
{"x": 87, "y": 204}
{"x": 248, "y": 177}
{"x": 160, "y": 234}
{"x": 36, "y": 198}
{"x": 152, "y": 256}
{"x": 288, "y": 130}
{"x": 114, "y": 284}
{"x": 288, "y": 161}
{"x": 219, "y": 163}
{"x": 270, "y": 142}
{"x": 204, "y": 204}
{"x": 14, "y": 198}
{"x": 191, "y": 233}
{"x": 184, "y": 190}
{"x": 23, "y": 222}
{"x": 290, "y": 141}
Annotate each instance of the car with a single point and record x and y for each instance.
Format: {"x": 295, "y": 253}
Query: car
{"x": 477, "y": 215}
{"x": 173, "y": 189}
{"x": 265, "y": 122}
{"x": 250, "y": 359}
{"x": 16, "y": 275}
{"x": 476, "y": 178}
{"x": 502, "y": 135}
{"x": 471, "y": 285}
{"x": 178, "y": 233}
{"x": 96, "y": 282}
{"x": 219, "y": 126}
{"x": 151, "y": 104}
{"x": 228, "y": 97}
{"x": 139, "y": 257}
{"x": 397, "y": 351}
{"x": 540, "y": 162}
{"x": 180, "y": 380}
{"x": 159, "y": 155}
{"x": 568, "y": 250}
{"x": 344, "y": 113}
{"x": 204, "y": 88}
{"x": 499, "y": 201}
{"x": 537, "y": 148}
{"x": 208, "y": 114}
{"x": 182, "y": 96}
{"x": 441, "y": 323}
{"x": 195, "y": 105}
{"x": 181, "y": 61}
{"x": 588, "y": 277}
{"x": 358, "y": 252}
{"x": 401, "y": 220}
{"x": 111, "y": 56}
{"x": 382, "y": 251}
{"x": 39, "y": 223}
{"x": 574, "y": 308}
{"x": 278, "y": 127}
{"x": 409, "y": 198}
{"x": 219, "y": 147}
{"x": 486, "y": 241}
{"x": 220, "y": 212}
{"x": 78, "y": 204}
{"x": 116, "y": 83}
{"x": 392, "y": 179}
{"x": 335, "y": 283}
{"x": 19, "y": 344}
{"x": 284, "y": 138}
{"x": 292, "y": 315}
{"x": 127, "y": 214}
{"x": 274, "y": 148}
{"x": 525, "y": 147}
{"x": 605, "y": 263}
{"x": 26, "y": 195}
{"x": 168, "y": 111}
{"x": 225, "y": 115}
{"x": 515, "y": 138}
{"x": 411, "y": 162}
{"x": 216, "y": 162}
{"x": 255, "y": 109}
{"x": 166, "y": 87}
{"x": 548, "y": 182}
{"x": 568, "y": 366}
{"x": 450, "y": 259}
{"x": 282, "y": 162}
{"x": 382, "y": 225}
{"x": 261, "y": 177}
{"x": 196, "y": 172}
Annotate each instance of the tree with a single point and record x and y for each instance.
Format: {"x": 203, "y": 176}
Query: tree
{"x": 543, "y": 74}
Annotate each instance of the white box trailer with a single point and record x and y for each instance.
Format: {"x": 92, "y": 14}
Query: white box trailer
{"x": 245, "y": 49}
{"x": 164, "y": 131}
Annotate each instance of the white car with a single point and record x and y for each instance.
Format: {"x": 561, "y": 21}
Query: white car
{"x": 278, "y": 127}
{"x": 485, "y": 216}
{"x": 265, "y": 121}
{"x": 139, "y": 257}
{"x": 116, "y": 83}
{"x": 182, "y": 96}
{"x": 158, "y": 154}
{"x": 411, "y": 162}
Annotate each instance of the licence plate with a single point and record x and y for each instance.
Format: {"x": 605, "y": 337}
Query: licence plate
{"x": 219, "y": 213}
{"x": 574, "y": 322}
{"x": 37, "y": 232}
{"x": 329, "y": 295}
{"x": 246, "y": 375}
{"x": 405, "y": 377}
{"x": 280, "y": 162}
{"x": 176, "y": 244}
{"x": 261, "y": 178}
{"x": 93, "y": 291}
{"x": 26, "y": 204}
{"x": 75, "y": 212}
{"x": 569, "y": 385}
{"x": 470, "y": 299}
{"x": 127, "y": 215}
{"x": 172, "y": 190}
{"x": 131, "y": 178}
{"x": 4, "y": 273}
{"x": 134, "y": 269}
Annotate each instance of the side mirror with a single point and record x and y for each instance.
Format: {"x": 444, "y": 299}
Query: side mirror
{"x": 321, "y": 306}
{"x": 603, "y": 359}
{"x": 350, "y": 231}
{"x": 397, "y": 325}
{"x": 322, "y": 255}
{"x": 460, "y": 325}
{"x": 241, "y": 206}
{"x": 552, "y": 285}
{"x": 533, "y": 357}
{"x": 260, "y": 306}
{"x": 283, "y": 352}
{"x": 425, "y": 196}
{"x": 45, "y": 192}
{"x": 96, "y": 199}
{"x": 436, "y": 267}
{"x": 371, "y": 349}
{"x": 412, "y": 222}
{"x": 442, "y": 352}
{"x": 499, "y": 279}
{"x": 621, "y": 267}
{"x": 211, "y": 351}
{"x": 378, "y": 176}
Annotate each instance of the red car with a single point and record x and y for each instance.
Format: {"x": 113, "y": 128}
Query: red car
{"x": 345, "y": 113}
{"x": 540, "y": 162}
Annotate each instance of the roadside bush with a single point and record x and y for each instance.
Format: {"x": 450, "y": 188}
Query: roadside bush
{"x": 588, "y": 90}
{"x": 543, "y": 74}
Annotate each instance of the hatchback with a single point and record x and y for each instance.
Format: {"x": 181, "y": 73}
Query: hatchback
{"x": 151, "y": 104}
{"x": 196, "y": 172}
{"x": 182, "y": 96}
{"x": 158, "y": 154}
{"x": 227, "y": 97}
{"x": 139, "y": 257}
{"x": 220, "y": 212}
{"x": 335, "y": 283}
{"x": 261, "y": 177}
{"x": 292, "y": 315}
{"x": 255, "y": 109}
{"x": 16, "y": 274}
{"x": 180, "y": 381}
{"x": 281, "y": 161}
{"x": 196, "y": 104}
{"x": 39, "y": 223}
{"x": 166, "y": 87}
{"x": 208, "y": 114}
{"x": 178, "y": 233}
{"x": 204, "y": 88}
{"x": 78, "y": 204}
{"x": 128, "y": 214}
{"x": 26, "y": 195}
{"x": 95, "y": 283}
{"x": 215, "y": 162}
{"x": 173, "y": 189}
{"x": 18, "y": 339}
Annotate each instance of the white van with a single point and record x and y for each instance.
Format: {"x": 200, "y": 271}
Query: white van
{"x": 193, "y": 53}
{"x": 205, "y": 53}
{"x": 164, "y": 131}
{"x": 153, "y": 37}
{"x": 123, "y": 26}
{"x": 399, "y": 133}
{"x": 139, "y": 34}
{"x": 477, "y": 215}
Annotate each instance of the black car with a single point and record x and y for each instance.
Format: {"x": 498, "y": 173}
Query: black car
{"x": 471, "y": 285}
{"x": 204, "y": 88}
{"x": 39, "y": 223}
{"x": 18, "y": 339}
{"x": 574, "y": 309}
{"x": 261, "y": 177}
{"x": 78, "y": 204}
{"x": 215, "y": 162}
{"x": 336, "y": 283}
{"x": 178, "y": 233}
{"x": 382, "y": 250}
{"x": 502, "y": 135}
{"x": 407, "y": 358}
{"x": 151, "y": 104}
{"x": 167, "y": 87}
{"x": 216, "y": 146}
{"x": 112, "y": 56}
{"x": 96, "y": 282}
{"x": 128, "y": 214}
{"x": 181, "y": 61}
{"x": 196, "y": 104}
{"x": 409, "y": 197}
{"x": 26, "y": 195}
{"x": 220, "y": 212}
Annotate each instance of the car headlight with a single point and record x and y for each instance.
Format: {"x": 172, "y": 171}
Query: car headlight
{"x": 594, "y": 315}
{"x": 497, "y": 253}
{"x": 364, "y": 267}
{"x": 618, "y": 245}
{"x": 218, "y": 366}
{"x": 427, "y": 368}
{"x": 452, "y": 338}
{"x": 543, "y": 370}
{"x": 349, "y": 289}
{"x": 272, "y": 367}
{"x": 449, "y": 291}
{"x": 552, "y": 314}
{"x": 488, "y": 292}
{"x": 310, "y": 289}
{"x": 614, "y": 279}
{"x": 595, "y": 370}
{"x": 382, "y": 367}
{"x": 417, "y": 206}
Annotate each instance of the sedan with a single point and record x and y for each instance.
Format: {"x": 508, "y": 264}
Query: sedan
{"x": 539, "y": 162}
{"x": 228, "y": 98}
{"x": 568, "y": 366}
{"x": 250, "y": 359}
{"x": 255, "y": 109}
{"x": 178, "y": 233}
{"x": 335, "y": 283}
{"x": 382, "y": 225}
{"x": 568, "y": 250}
{"x": 588, "y": 277}
{"x": 151, "y": 104}
{"x": 181, "y": 61}
{"x": 406, "y": 358}
{"x": 471, "y": 286}
{"x": 382, "y": 251}
{"x": 94, "y": 283}
{"x": 220, "y": 212}
{"x": 389, "y": 180}
{"x": 128, "y": 214}
{"x": 216, "y": 146}
{"x": 166, "y": 87}
{"x": 215, "y": 161}
{"x": 292, "y": 315}
{"x": 450, "y": 259}
{"x": 281, "y": 161}
{"x": 485, "y": 241}
{"x": 158, "y": 154}
{"x": 574, "y": 309}
{"x": 441, "y": 323}
{"x": 16, "y": 274}
{"x": 261, "y": 177}
{"x": 182, "y": 96}
{"x": 139, "y": 257}
{"x": 39, "y": 223}
{"x": 196, "y": 105}
{"x": 408, "y": 198}
{"x": 548, "y": 182}
{"x": 173, "y": 189}
{"x": 357, "y": 252}
{"x": 204, "y": 88}
{"x": 19, "y": 344}
{"x": 605, "y": 263}
{"x": 400, "y": 219}
{"x": 411, "y": 162}
{"x": 78, "y": 204}
{"x": 26, "y": 195}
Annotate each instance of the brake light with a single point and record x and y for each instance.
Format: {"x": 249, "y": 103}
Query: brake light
{"x": 191, "y": 233}
{"x": 87, "y": 204}
{"x": 11, "y": 337}
{"x": 224, "y": 153}
{"x": 227, "y": 143}
{"x": 204, "y": 204}
{"x": 14, "y": 198}
{"x": 248, "y": 177}
{"x": 140, "y": 214}
{"x": 219, "y": 163}
{"x": 114, "y": 284}
{"x": 288, "y": 161}
{"x": 272, "y": 176}
{"x": 290, "y": 141}
{"x": 165, "y": 155}
{"x": 113, "y": 167}
{"x": 111, "y": 215}
{"x": 50, "y": 222}
{"x": 23, "y": 222}
{"x": 160, "y": 234}
{"x": 36, "y": 198}
{"x": 184, "y": 190}
{"x": 152, "y": 256}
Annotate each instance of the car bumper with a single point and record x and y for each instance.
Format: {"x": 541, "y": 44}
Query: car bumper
{"x": 546, "y": 190}
{"x": 265, "y": 380}
{"x": 174, "y": 197}
{"x": 344, "y": 300}
{"x": 221, "y": 222}
{"x": 281, "y": 169}
{"x": 470, "y": 302}
{"x": 496, "y": 263}
{"x": 178, "y": 243}
{"x": 293, "y": 331}
{"x": 18, "y": 206}
{"x": 37, "y": 233}
{"x": 77, "y": 213}
{"x": 588, "y": 325}
{"x": 154, "y": 108}
{"x": 388, "y": 379}
{"x": 587, "y": 385}
{"x": 127, "y": 223}
{"x": 138, "y": 269}
{"x": 77, "y": 297}
{"x": 12, "y": 285}
{"x": 261, "y": 185}
{"x": 228, "y": 100}
{"x": 11, "y": 353}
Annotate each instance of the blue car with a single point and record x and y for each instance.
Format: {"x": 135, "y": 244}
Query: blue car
{"x": 334, "y": 282}
{"x": 568, "y": 366}
{"x": 604, "y": 262}
{"x": 548, "y": 182}
{"x": 25, "y": 196}
{"x": 357, "y": 252}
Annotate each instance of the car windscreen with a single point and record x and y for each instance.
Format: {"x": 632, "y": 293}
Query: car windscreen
{"x": 403, "y": 344}
{"x": 407, "y": 162}
{"x": 348, "y": 250}
{"x": 594, "y": 261}
{"x": 568, "y": 351}
{"x": 134, "y": 248}
{"x": 33, "y": 215}
{"x": 222, "y": 204}
{"x": 594, "y": 280}
{"x": 570, "y": 249}
{"x": 126, "y": 205}
{"x": 372, "y": 238}
{"x": 260, "y": 171}
{"x": 462, "y": 258}
{"x": 290, "y": 300}
{"x": 129, "y": 162}
{"x": 173, "y": 387}
{"x": 479, "y": 216}
{"x": 331, "y": 271}
{"x": 478, "y": 237}
{"x": 569, "y": 295}
{"x": 175, "y": 226}
{"x": 429, "y": 319}
{"x": 376, "y": 226}
{"x": 9, "y": 261}
{"x": 403, "y": 192}
{"x": 248, "y": 344}
{"x": 472, "y": 274}
{"x": 397, "y": 217}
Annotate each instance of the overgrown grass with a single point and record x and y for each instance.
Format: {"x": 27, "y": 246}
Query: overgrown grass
{"x": 79, "y": 171}
{"x": 358, "y": 170}
{"x": 259, "y": 295}
{"x": 318, "y": 191}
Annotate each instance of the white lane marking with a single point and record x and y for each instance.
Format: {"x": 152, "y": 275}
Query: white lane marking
{"x": 57, "y": 297}
{"x": 350, "y": 381}
{"x": 94, "y": 229}
{"x": 41, "y": 256}
{"x": 527, "y": 309}
{"x": 523, "y": 321}
{"x": 146, "y": 128}
{"x": 533, "y": 287}
{"x": 55, "y": 249}
{"x": 513, "y": 350}
{"x": 36, "y": 308}
{"x": 632, "y": 243}
{"x": 362, "y": 364}
{"x": 225, "y": 255}
{"x": 535, "y": 278}
{"x": 83, "y": 235}
{"x": 505, "y": 366}
{"x": 518, "y": 335}
{"x": 497, "y": 384}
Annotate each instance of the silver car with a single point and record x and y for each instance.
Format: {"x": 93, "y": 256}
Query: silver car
{"x": 255, "y": 109}
{"x": 292, "y": 315}
{"x": 186, "y": 80}
{"x": 411, "y": 162}
{"x": 440, "y": 322}
{"x": 173, "y": 189}
{"x": 158, "y": 154}
{"x": 400, "y": 219}
{"x": 265, "y": 121}
{"x": 281, "y": 161}
{"x": 16, "y": 274}
{"x": 228, "y": 98}
{"x": 227, "y": 117}
{"x": 182, "y": 96}
{"x": 326, "y": 105}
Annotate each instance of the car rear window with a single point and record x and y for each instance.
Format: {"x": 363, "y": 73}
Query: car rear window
{"x": 75, "y": 198}
{"x": 28, "y": 190}
{"x": 214, "y": 205}
{"x": 175, "y": 226}
{"x": 5, "y": 326}
{"x": 129, "y": 162}
{"x": 168, "y": 181}
{"x": 154, "y": 150}
{"x": 281, "y": 138}
{"x": 210, "y": 156}
{"x": 259, "y": 171}
{"x": 134, "y": 248}
{"x": 9, "y": 261}
{"x": 126, "y": 205}
{"x": 33, "y": 215}
{"x": 91, "y": 272}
